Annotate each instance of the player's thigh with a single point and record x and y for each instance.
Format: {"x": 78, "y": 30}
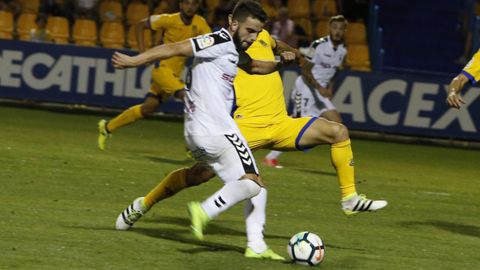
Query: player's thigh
{"x": 332, "y": 115}
{"x": 323, "y": 131}
{"x": 228, "y": 155}
{"x": 165, "y": 83}
{"x": 257, "y": 136}
{"x": 287, "y": 133}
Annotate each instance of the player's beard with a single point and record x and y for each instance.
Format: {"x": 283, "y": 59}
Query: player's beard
{"x": 336, "y": 38}
{"x": 186, "y": 16}
{"x": 238, "y": 42}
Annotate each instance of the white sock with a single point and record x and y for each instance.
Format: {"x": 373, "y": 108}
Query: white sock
{"x": 230, "y": 194}
{"x": 255, "y": 211}
{"x": 273, "y": 155}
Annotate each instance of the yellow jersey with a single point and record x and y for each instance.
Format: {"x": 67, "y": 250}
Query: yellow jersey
{"x": 174, "y": 30}
{"x": 472, "y": 69}
{"x": 259, "y": 98}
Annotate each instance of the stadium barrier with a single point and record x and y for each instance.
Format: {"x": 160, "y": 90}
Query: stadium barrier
{"x": 392, "y": 104}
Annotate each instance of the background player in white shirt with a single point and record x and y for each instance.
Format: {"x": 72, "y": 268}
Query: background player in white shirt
{"x": 210, "y": 131}
{"x": 313, "y": 88}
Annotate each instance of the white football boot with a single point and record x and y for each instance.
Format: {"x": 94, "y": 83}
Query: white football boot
{"x": 131, "y": 214}
{"x": 359, "y": 203}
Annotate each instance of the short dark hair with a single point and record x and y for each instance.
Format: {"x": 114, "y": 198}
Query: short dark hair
{"x": 249, "y": 8}
{"x": 337, "y": 18}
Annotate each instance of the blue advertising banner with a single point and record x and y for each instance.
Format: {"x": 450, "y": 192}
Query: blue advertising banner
{"x": 407, "y": 105}
{"x": 70, "y": 74}
{"x": 397, "y": 104}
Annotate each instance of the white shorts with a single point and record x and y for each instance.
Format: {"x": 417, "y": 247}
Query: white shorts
{"x": 228, "y": 155}
{"x": 306, "y": 104}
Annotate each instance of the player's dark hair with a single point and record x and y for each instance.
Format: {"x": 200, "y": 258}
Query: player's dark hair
{"x": 249, "y": 8}
{"x": 337, "y": 18}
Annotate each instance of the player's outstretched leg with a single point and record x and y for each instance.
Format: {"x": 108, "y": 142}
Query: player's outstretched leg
{"x": 174, "y": 182}
{"x": 271, "y": 160}
{"x": 322, "y": 131}
{"x": 131, "y": 214}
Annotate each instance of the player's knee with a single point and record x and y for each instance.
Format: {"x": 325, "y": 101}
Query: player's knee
{"x": 148, "y": 110}
{"x": 341, "y": 133}
{"x": 253, "y": 188}
{"x": 198, "y": 174}
{"x": 180, "y": 94}
{"x": 255, "y": 178}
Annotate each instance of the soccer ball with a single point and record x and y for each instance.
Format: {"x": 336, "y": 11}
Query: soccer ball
{"x": 306, "y": 248}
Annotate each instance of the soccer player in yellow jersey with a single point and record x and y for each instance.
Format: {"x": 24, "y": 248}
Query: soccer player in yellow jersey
{"x": 470, "y": 73}
{"x": 166, "y": 75}
{"x": 261, "y": 115}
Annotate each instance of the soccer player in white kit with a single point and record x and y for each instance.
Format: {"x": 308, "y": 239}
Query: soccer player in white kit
{"x": 210, "y": 131}
{"x": 313, "y": 88}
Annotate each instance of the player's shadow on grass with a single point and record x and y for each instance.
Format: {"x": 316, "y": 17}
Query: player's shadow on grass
{"x": 469, "y": 230}
{"x": 184, "y": 236}
{"x": 212, "y": 229}
{"x": 171, "y": 161}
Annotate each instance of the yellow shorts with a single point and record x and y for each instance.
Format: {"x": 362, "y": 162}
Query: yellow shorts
{"x": 165, "y": 83}
{"x": 283, "y": 134}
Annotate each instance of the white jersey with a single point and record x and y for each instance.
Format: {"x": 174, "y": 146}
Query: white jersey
{"x": 326, "y": 59}
{"x": 209, "y": 94}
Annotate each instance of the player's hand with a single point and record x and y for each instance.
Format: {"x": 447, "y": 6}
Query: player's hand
{"x": 454, "y": 100}
{"x": 287, "y": 57}
{"x": 326, "y": 92}
{"x": 120, "y": 60}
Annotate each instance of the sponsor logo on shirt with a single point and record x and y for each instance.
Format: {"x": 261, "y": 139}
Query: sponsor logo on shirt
{"x": 263, "y": 43}
{"x": 205, "y": 42}
{"x": 228, "y": 78}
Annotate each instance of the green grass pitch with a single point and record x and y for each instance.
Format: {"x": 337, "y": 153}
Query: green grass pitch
{"x": 60, "y": 197}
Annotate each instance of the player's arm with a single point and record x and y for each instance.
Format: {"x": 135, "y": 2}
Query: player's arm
{"x": 456, "y": 85}
{"x": 334, "y": 78}
{"x": 140, "y": 28}
{"x": 311, "y": 82}
{"x": 182, "y": 48}
{"x": 281, "y": 47}
{"x": 253, "y": 66}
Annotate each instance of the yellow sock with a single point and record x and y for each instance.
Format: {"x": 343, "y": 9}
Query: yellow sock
{"x": 342, "y": 160}
{"x": 128, "y": 116}
{"x": 171, "y": 184}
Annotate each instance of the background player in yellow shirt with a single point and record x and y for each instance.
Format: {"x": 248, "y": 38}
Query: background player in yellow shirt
{"x": 261, "y": 115}
{"x": 166, "y": 74}
{"x": 470, "y": 73}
